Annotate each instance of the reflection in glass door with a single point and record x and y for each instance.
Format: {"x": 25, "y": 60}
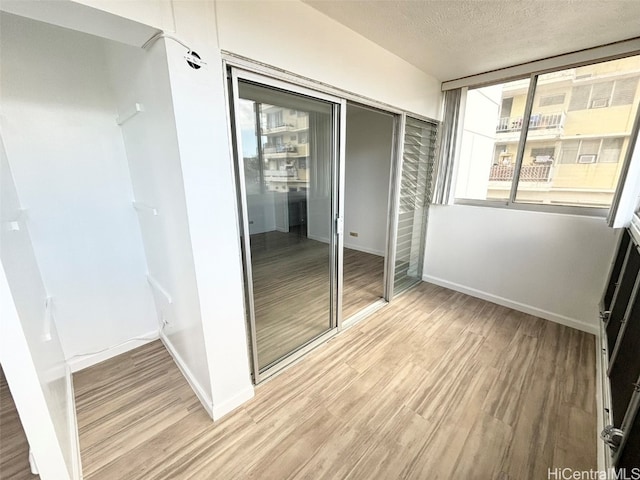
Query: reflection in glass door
{"x": 287, "y": 161}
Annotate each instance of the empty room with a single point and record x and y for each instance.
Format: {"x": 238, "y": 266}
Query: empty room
{"x": 319, "y": 239}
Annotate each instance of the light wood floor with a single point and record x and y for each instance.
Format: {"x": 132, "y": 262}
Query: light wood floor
{"x": 436, "y": 385}
{"x": 14, "y": 449}
{"x": 363, "y": 276}
{"x": 291, "y": 289}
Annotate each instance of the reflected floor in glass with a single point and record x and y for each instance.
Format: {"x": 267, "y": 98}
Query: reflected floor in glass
{"x": 291, "y": 302}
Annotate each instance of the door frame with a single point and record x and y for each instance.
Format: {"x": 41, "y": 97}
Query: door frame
{"x": 338, "y": 109}
{"x": 295, "y": 83}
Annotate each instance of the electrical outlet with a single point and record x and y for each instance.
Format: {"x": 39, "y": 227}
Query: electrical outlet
{"x": 353, "y": 234}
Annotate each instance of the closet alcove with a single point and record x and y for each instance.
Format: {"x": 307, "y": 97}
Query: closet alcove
{"x": 95, "y": 240}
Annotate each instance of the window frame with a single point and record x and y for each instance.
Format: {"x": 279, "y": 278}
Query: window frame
{"x": 511, "y": 203}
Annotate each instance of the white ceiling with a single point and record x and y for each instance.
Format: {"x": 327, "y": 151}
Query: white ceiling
{"x": 456, "y": 38}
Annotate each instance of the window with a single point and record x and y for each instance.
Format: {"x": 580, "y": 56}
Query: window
{"x": 552, "y": 100}
{"x": 543, "y": 154}
{"x": 505, "y": 110}
{"x": 606, "y": 150}
{"x": 274, "y": 120}
{"x": 610, "y": 150}
{"x": 625, "y": 91}
{"x": 577, "y": 135}
{"x": 604, "y": 94}
{"x": 490, "y": 140}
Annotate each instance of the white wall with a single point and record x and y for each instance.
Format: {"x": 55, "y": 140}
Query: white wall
{"x": 477, "y": 143}
{"x": 153, "y": 156}
{"x": 68, "y": 160}
{"x": 629, "y": 199}
{"x": 205, "y": 153}
{"x": 295, "y": 37}
{"x": 367, "y": 175}
{"x": 321, "y": 49}
{"x": 552, "y": 266}
{"x": 33, "y": 363}
{"x": 82, "y": 18}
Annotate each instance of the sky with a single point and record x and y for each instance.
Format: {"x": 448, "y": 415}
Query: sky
{"x": 246, "y": 120}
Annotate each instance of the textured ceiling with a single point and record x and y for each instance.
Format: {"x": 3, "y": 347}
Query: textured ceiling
{"x": 457, "y": 38}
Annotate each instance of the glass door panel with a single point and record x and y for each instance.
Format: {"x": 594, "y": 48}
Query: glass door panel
{"x": 286, "y": 158}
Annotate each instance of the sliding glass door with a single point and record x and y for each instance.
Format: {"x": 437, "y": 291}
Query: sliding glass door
{"x": 287, "y": 170}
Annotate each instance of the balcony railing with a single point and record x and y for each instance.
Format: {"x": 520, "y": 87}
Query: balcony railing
{"x": 280, "y": 173}
{"x": 299, "y": 124}
{"x": 538, "y": 121}
{"x": 277, "y": 127}
{"x": 528, "y": 173}
{"x": 279, "y": 148}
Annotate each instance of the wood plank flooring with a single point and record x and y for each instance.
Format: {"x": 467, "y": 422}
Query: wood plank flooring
{"x": 291, "y": 289}
{"x": 363, "y": 277}
{"x": 14, "y": 448}
{"x": 437, "y": 385}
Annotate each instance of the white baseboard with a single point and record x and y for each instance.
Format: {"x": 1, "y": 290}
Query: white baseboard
{"x": 521, "y": 307}
{"x": 360, "y": 248}
{"x": 81, "y": 362}
{"x": 317, "y": 238}
{"x": 222, "y": 408}
{"x": 76, "y": 460}
{"x": 186, "y": 372}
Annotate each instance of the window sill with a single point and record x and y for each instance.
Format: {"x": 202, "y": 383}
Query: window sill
{"x": 530, "y": 207}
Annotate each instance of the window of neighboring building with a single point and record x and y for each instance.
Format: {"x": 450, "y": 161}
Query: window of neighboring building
{"x": 577, "y": 135}
{"x": 552, "y": 100}
{"x": 274, "y": 120}
{"x": 603, "y": 94}
{"x": 606, "y": 150}
{"x": 611, "y": 149}
{"x": 543, "y": 154}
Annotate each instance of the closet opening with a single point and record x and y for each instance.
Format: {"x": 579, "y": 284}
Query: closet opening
{"x": 98, "y": 255}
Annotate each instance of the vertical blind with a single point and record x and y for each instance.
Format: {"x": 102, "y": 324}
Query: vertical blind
{"x": 415, "y": 195}
{"x": 448, "y": 142}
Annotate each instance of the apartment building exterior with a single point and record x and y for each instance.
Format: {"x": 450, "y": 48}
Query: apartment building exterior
{"x": 581, "y": 120}
{"x": 284, "y": 148}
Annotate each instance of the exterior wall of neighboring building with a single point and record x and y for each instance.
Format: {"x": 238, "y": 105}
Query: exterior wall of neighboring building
{"x": 582, "y": 119}
{"x": 285, "y": 149}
